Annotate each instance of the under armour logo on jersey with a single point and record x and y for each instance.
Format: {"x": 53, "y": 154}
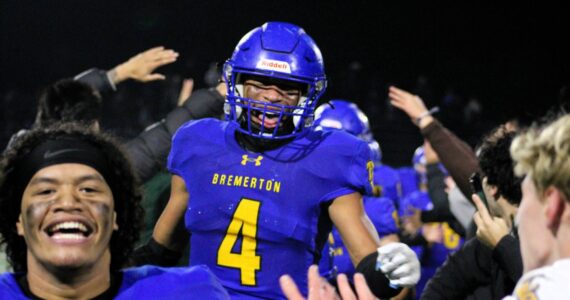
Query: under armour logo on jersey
{"x": 246, "y": 159}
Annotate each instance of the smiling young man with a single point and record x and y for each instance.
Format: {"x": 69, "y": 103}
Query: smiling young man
{"x": 70, "y": 211}
{"x": 259, "y": 192}
{"x": 543, "y": 219}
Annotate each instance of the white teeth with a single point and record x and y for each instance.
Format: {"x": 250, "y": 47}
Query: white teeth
{"x": 69, "y": 225}
{"x": 68, "y": 236}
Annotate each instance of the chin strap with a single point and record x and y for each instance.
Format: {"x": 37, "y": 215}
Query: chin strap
{"x": 258, "y": 145}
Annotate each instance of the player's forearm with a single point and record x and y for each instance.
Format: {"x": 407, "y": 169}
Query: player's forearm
{"x": 173, "y": 239}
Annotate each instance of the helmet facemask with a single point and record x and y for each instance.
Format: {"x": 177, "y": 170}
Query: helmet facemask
{"x": 252, "y": 115}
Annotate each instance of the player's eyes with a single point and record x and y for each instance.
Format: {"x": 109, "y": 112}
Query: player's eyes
{"x": 293, "y": 93}
{"x": 256, "y": 85}
{"x": 45, "y": 192}
{"x": 88, "y": 190}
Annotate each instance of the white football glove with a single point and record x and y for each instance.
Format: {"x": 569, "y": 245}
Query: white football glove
{"x": 399, "y": 263}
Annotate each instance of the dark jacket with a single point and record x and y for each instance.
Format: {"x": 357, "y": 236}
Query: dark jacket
{"x": 457, "y": 157}
{"x": 474, "y": 266}
{"x": 149, "y": 150}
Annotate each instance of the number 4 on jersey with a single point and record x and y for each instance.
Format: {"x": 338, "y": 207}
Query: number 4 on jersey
{"x": 244, "y": 220}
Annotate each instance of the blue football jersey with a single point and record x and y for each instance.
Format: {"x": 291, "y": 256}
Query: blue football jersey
{"x": 327, "y": 268}
{"x": 388, "y": 178}
{"x": 432, "y": 256}
{"x": 256, "y": 216}
{"x": 147, "y": 282}
{"x": 435, "y": 255}
{"x": 9, "y": 288}
{"x": 151, "y": 282}
{"x": 409, "y": 180}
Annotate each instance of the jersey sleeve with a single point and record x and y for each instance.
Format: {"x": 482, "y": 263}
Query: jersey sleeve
{"x": 362, "y": 170}
{"x": 344, "y": 166}
{"x": 191, "y": 139}
{"x": 383, "y": 215}
{"x": 180, "y": 141}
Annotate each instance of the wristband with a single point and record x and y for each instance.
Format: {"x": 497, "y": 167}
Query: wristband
{"x": 377, "y": 281}
{"x": 430, "y": 112}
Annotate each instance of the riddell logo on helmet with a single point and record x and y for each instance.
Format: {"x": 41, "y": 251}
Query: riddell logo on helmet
{"x": 274, "y": 65}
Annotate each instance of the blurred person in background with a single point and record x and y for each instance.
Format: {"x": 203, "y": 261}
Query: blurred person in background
{"x": 426, "y": 217}
{"x": 489, "y": 265}
{"x": 342, "y": 115}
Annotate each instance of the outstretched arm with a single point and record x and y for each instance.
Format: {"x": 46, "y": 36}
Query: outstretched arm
{"x": 149, "y": 150}
{"x": 141, "y": 66}
{"x": 387, "y": 269}
{"x": 455, "y": 154}
{"x": 357, "y": 231}
{"x": 165, "y": 229}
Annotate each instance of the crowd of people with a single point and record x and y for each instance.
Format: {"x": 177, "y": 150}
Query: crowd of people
{"x": 258, "y": 188}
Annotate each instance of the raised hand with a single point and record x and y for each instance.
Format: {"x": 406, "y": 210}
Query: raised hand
{"x": 411, "y": 104}
{"x": 141, "y": 66}
{"x": 490, "y": 230}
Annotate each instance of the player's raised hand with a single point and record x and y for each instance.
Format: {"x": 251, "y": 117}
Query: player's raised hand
{"x": 141, "y": 66}
{"x": 490, "y": 230}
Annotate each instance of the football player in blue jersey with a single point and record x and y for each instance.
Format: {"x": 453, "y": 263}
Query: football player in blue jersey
{"x": 69, "y": 204}
{"x": 346, "y": 116}
{"x": 438, "y": 238}
{"x": 260, "y": 191}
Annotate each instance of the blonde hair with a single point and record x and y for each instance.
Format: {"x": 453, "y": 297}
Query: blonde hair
{"x": 544, "y": 155}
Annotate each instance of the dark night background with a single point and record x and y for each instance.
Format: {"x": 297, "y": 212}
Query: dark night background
{"x": 511, "y": 60}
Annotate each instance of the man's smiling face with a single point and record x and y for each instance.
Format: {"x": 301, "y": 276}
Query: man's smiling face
{"x": 272, "y": 93}
{"x": 67, "y": 217}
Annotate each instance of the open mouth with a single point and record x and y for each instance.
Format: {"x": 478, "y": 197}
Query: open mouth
{"x": 69, "y": 231}
{"x": 271, "y": 119}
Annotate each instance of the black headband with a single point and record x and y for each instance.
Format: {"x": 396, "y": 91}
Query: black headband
{"x": 60, "y": 151}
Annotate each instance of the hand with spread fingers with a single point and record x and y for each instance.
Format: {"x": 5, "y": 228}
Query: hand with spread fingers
{"x": 490, "y": 230}
{"x": 411, "y": 104}
{"x": 320, "y": 289}
{"x": 141, "y": 66}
